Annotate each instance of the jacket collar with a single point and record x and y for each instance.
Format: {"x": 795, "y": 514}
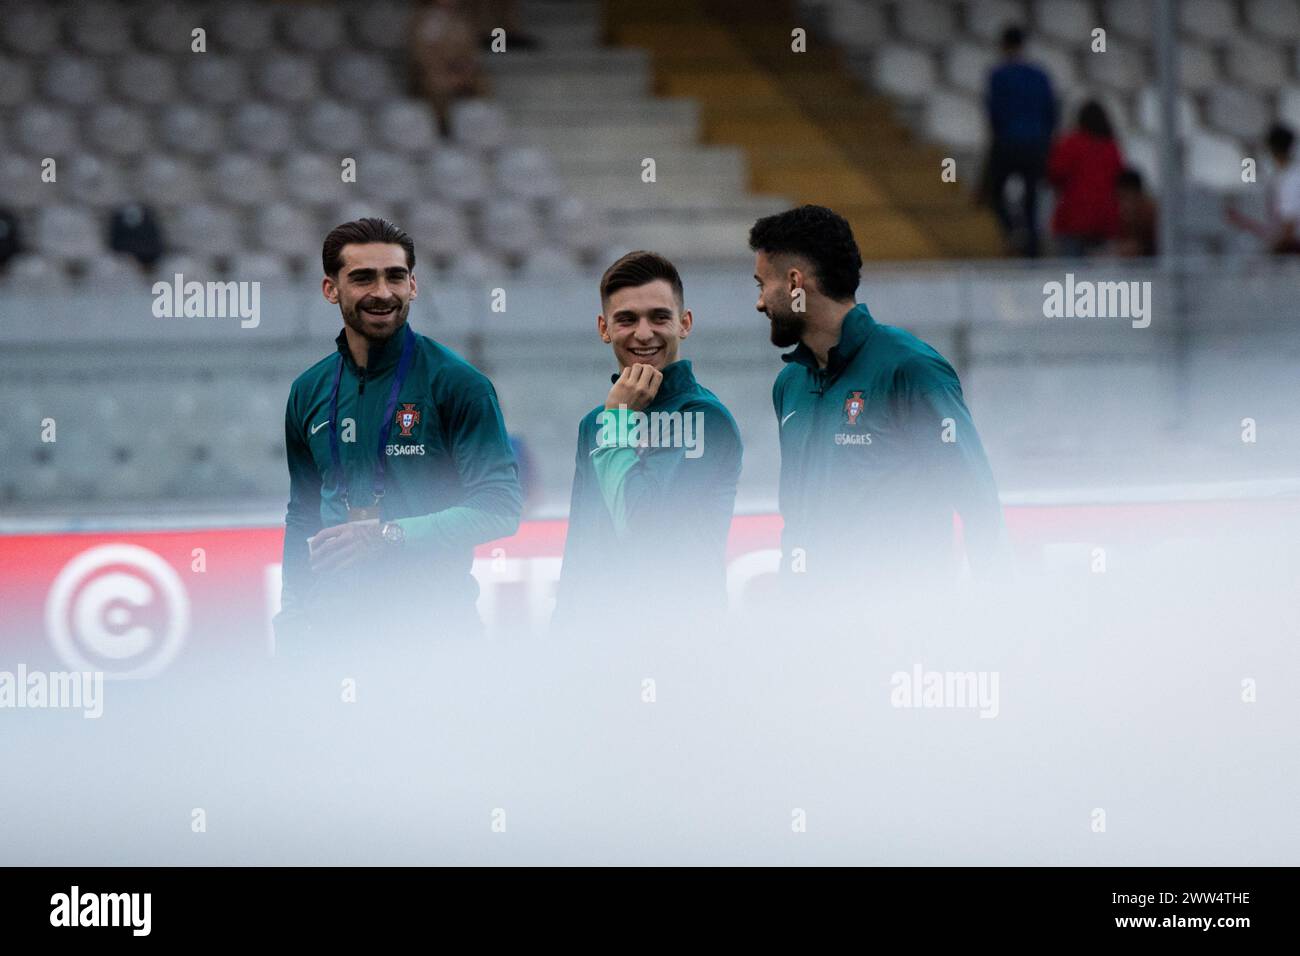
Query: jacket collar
{"x": 854, "y": 333}
{"x": 678, "y": 377}
{"x": 381, "y": 356}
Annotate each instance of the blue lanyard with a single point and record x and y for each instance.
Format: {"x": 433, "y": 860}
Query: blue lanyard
{"x": 390, "y": 409}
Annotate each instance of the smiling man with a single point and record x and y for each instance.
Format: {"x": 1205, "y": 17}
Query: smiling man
{"x": 656, "y": 470}
{"x": 878, "y": 449}
{"x": 399, "y": 464}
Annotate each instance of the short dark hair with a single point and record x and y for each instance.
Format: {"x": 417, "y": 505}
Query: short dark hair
{"x": 640, "y": 268}
{"x": 821, "y": 236}
{"x": 1013, "y": 38}
{"x": 362, "y": 231}
{"x": 1093, "y": 119}
{"x": 1280, "y": 139}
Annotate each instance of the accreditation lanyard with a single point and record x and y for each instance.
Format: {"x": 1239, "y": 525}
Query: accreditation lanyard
{"x": 390, "y": 409}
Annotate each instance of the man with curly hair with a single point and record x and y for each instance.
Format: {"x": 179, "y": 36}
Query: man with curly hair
{"x": 878, "y": 449}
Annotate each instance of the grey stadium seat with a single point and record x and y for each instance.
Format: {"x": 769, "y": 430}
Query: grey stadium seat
{"x": 526, "y": 172}
{"x": 243, "y": 179}
{"x": 1276, "y": 19}
{"x": 332, "y": 125}
{"x": 94, "y": 182}
{"x": 1208, "y": 19}
{"x": 205, "y": 229}
{"x": 286, "y": 230}
{"x": 856, "y": 26}
{"x": 1197, "y": 67}
{"x": 508, "y": 226}
{"x": 118, "y": 130}
{"x": 245, "y": 27}
{"x": 478, "y": 124}
{"x": 1122, "y": 67}
{"x": 167, "y": 180}
{"x": 1260, "y": 66}
{"x": 191, "y": 130}
{"x": 31, "y": 28}
{"x": 15, "y": 81}
{"x": 216, "y": 79}
{"x": 1130, "y": 18}
{"x": 68, "y": 231}
{"x": 573, "y": 224}
{"x": 289, "y": 79}
{"x": 102, "y": 28}
{"x": 72, "y": 80}
{"x": 904, "y": 71}
{"x": 1238, "y": 112}
{"x": 987, "y": 18}
{"x": 928, "y": 22}
{"x": 456, "y": 176}
{"x": 386, "y": 176}
{"x": 43, "y": 131}
{"x": 407, "y": 125}
{"x": 383, "y": 25}
{"x": 145, "y": 78}
{"x": 260, "y": 266}
{"x": 314, "y": 28}
{"x": 20, "y": 177}
{"x": 439, "y": 229}
{"x": 361, "y": 77}
{"x": 311, "y": 178}
{"x": 167, "y": 26}
{"x": 967, "y": 66}
{"x": 1069, "y": 22}
{"x": 263, "y": 129}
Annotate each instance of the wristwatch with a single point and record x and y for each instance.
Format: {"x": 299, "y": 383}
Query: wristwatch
{"x": 392, "y": 533}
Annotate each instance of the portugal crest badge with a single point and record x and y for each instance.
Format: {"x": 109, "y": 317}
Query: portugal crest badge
{"x": 853, "y": 406}
{"x": 407, "y": 418}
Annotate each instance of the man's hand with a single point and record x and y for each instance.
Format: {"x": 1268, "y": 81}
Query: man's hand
{"x": 636, "y": 387}
{"x": 344, "y": 545}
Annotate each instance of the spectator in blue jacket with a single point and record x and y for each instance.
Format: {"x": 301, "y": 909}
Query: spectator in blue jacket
{"x": 1022, "y": 113}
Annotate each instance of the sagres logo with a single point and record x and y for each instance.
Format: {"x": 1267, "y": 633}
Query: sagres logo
{"x": 958, "y": 690}
{"x": 117, "y": 608}
{"x": 75, "y": 908}
{"x": 208, "y": 300}
{"x": 1084, "y": 299}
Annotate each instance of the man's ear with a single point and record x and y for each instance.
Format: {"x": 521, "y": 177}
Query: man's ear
{"x": 330, "y": 289}
{"x": 414, "y": 290}
{"x": 603, "y": 328}
{"x": 687, "y": 321}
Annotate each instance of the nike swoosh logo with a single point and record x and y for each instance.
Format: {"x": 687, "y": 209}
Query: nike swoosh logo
{"x": 318, "y": 427}
{"x": 787, "y": 418}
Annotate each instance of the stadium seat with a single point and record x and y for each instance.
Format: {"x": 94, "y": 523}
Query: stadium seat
{"x": 285, "y": 229}
{"x": 986, "y": 19}
{"x": 456, "y": 176}
{"x": 260, "y": 266}
{"x": 1149, "y": 112}
{"x": 386, "y": 176}
{"x": 192, "y": 130}
{"x": 68, "y": 232}
{"x": 146, "y": 79}
{"x": 856, "y": 26}
{"x": 350, "y": 210}
{"x": 72, "y": 80}
{"x": 118, "y": 130}
{"x": 361, "y": 77}
{"x": 926, "y": 22}
{"x": 31, "y": 28}
{"x": 1208, "y": 19}
{"x": 550, "y": 264}
{"x": 573, "y": 224}
{"x": 15, "y": 82}
{"x": 243, "y": 179}
{"x": 1198, "y": 68}
{"x": 1214, "y": 161}
{"x": 1130, "y": 18}
{"x": 1254, "y": 64}
{"x": 474, "y": 265}
{"x": 244, "y": 26}
{"x": 903, "y": 71}
{"x": 312, "y": 178}
{"x": 967, "y": 66}
{"x": 1238, "y": 112}
{"x": 289, "y": 78}
{"x": 94, "y": 182}
{"x": 477, "y": 124}
{"x": 216, "y": 79}
{"x": 186, "y": 264}
{"x": 312, "y": 28}
{"x": 406, "y": 125}
{"x": 508, "y": 227}
{"x": 439, "y": 229}
{"x": 1069, "y": 22}
{"x": 383, "y": 25}
{"x": 167, "y": 180}
{"x": 19, "y": 177}
{"x": 166, "y": 26}
{"x": 263, "y": 129}
{"x": 1122, "y": 67}
{"x": 954, "y": 119}
{"x": 112, "y": 267}
{"x": 1275, "y": 19}
{"x": 44, "y": 131}
{"x": 526, "y": 173}
{"x": 205, "y": 229}
{"x": 103, "y": 28}
{"x": 1142, "y": 153}
{"x": 332, "y": 125}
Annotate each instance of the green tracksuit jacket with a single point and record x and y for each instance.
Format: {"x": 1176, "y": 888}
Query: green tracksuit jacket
{"x": 878, "y": 450}
{"x": 452, "y": 483}
{"x": 648, "y": 526}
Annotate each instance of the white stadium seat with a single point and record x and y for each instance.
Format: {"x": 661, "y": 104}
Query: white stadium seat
{"x": 1149, "y": 112}
{"x": 439, "y": 229}
{"x": 44, "y": 131}
{"x": 903, "y": 71}
{"x": 926, "y": 22}
{"x": 456, "y": 176}
{"x": 954, "y": 119}
{"x": 243, "y": 179}
{"x": 167, "y": 180}
{"x": 967, "y": 66}
{"x": 94, "y": 182}
{"x": 1214, "y": 161}
{"x": 1122, "y": 67}
{"x": 526, "y": 172}
{"x": 205, "y": 229}
{"x": 119, "y": 130}
{"x": 68, "y": 231}
{"x": 286, "y": 229}
{"x": 1069, "y": 22}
